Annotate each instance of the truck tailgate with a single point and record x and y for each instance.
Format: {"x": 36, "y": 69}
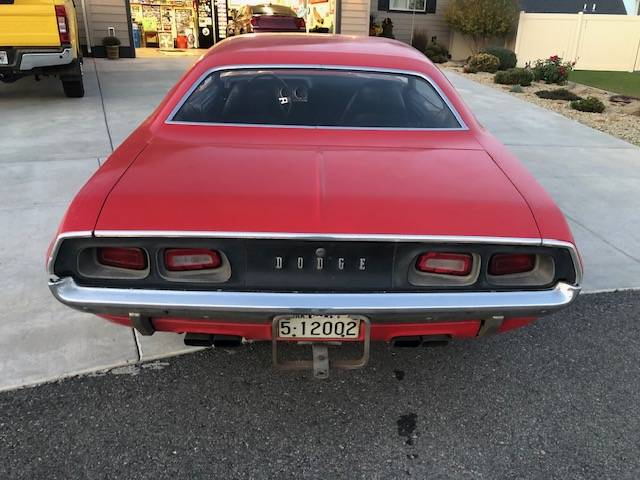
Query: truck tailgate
{"x": 28, "y": 23}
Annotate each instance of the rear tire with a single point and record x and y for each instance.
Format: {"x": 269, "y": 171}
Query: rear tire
{"x": 73, "y": 88}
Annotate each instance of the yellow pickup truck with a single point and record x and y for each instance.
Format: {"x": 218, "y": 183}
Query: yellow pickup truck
{"x": 40, "y": 37}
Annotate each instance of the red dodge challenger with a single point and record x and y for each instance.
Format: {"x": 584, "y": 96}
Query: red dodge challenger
{"x": 316, "y": 190}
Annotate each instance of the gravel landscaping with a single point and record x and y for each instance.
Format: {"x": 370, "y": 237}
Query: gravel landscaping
{"x": 618, "y": 119}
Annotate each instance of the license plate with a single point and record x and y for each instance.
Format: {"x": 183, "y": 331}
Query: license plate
{"x": 4, "y": 58}
{"x": 319, "y": 327}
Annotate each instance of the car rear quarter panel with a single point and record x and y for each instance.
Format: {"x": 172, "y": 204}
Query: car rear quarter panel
{"x": 549, "y": 218}
{"x": 84, "y": 210}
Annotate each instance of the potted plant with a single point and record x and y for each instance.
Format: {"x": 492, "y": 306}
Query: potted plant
{"x": 112, "y": 45}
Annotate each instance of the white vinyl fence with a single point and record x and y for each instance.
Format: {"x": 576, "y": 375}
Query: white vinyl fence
{"x": 594, "y": 42}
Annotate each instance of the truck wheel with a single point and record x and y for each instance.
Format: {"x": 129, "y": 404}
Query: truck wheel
{"x": 73, "y": 88}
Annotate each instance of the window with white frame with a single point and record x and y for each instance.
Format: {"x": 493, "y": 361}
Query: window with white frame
{"x": 408, "y": 5}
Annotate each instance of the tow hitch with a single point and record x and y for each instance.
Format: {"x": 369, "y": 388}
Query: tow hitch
{"x": 321, "y": 363}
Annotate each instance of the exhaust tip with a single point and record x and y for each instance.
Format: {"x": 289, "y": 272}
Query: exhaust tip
{"x": 436, "y": 340}
{"x": 209, "y": 340}
{"x": 406, "y": 342}
{"x": 425, "y": 341}
{"x": 227, "y": 341}
{"x": 198, "y": 340}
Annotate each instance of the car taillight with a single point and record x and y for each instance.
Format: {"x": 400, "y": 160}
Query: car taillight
{"x": 63, "y": 25}
{"x": 120, "y": 257}
{"x": 254, "y": 21}
{"x": 300, "y": 23}
{"x": 510, "y": 263}
{"x": 182, "y": 259}
{"x": 443, "y": 263}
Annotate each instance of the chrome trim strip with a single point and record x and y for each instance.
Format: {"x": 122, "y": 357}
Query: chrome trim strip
{"x": 56, "y": 246}
{"x": 169, "y": 120}
{"x": 49, "y": 59}
{"x": 217, "y": 304}
{"x": 372, "y": 237}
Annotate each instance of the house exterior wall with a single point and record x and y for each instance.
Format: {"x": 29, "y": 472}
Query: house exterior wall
{"x": 100, "y": 15}
{"x": 354, "y": 17}
{"x": 594, "y": 42}
{"x": 433, "y": 24}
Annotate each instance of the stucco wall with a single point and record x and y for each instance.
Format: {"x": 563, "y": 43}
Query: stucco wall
{"x": 460, "y": 47}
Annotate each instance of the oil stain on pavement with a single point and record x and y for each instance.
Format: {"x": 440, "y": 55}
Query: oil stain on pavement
{"x": 407, "y": 427}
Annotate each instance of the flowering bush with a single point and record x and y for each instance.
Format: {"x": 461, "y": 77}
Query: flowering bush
{"x": 552, "y": 70}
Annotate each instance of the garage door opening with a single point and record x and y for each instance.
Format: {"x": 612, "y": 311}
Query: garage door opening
{"x": 182, "y": 26}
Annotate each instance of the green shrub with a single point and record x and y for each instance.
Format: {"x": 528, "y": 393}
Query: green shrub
{"x": 558, "y": 94}
{"x": 514, "y": 76}
{"x": 482, "y": 19}
{"x": 482, "y": 62}
{"x": 436, "y": 52}
{"x": 420, "y": 40}
{"x": 507, "y": 57}
{"x": 110, "y": 41}
{"x": 589, "y": 104}
{"x": 387, "y": 28}
{"x": 516, "y": 89}
{"x": 552, "y": 70}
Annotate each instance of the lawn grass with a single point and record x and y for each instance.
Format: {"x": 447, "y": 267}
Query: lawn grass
{"x": 624, "y": 83}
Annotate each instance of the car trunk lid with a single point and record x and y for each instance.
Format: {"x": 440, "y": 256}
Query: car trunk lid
{"x": 301, "y": 188}
{"x": 28, "y": 23}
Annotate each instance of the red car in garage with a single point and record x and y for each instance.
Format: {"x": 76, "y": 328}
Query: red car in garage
{"x": 265, "y": 18}
{"x": 285, "y": 192}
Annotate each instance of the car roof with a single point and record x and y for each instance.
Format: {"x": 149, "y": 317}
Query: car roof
{"x": 316, "y": 49}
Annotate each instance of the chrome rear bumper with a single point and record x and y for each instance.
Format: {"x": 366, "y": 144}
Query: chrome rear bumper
{"x": 262, "y": 306}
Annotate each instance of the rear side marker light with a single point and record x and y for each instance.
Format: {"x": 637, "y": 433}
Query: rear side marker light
{"x": 119, "y": 257}
{"x": 458, "y": 264}
{"x": 254, "y": 21}
{"x": 185, "y": 259}
{"x": 63, "y": 24}
{"x": 511, "y": 263}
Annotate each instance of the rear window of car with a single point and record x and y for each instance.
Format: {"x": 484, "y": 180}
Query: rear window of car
{"x": 272, "y": 10}
{"x": 317, "y": 98}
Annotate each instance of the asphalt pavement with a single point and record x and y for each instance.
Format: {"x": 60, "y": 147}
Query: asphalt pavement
{"x": 559, "y": 399}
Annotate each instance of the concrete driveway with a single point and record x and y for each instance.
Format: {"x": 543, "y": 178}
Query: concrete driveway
{"x": 51, "y": 145}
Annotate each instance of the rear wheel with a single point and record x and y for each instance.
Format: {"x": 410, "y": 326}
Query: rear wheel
{"x": 73, "y": 88}
{"x": 72, "y": 83}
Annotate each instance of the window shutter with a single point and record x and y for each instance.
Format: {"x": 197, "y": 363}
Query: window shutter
{"x": 431, "y": 6}
{"x": 383, "y": 5}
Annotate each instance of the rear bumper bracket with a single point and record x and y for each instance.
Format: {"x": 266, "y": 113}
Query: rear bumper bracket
{"x": 142, "y": 324}
{"x": 490, "y": 326}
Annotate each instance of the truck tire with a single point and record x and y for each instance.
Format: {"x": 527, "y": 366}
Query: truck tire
{"x": 73, "y": 88}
